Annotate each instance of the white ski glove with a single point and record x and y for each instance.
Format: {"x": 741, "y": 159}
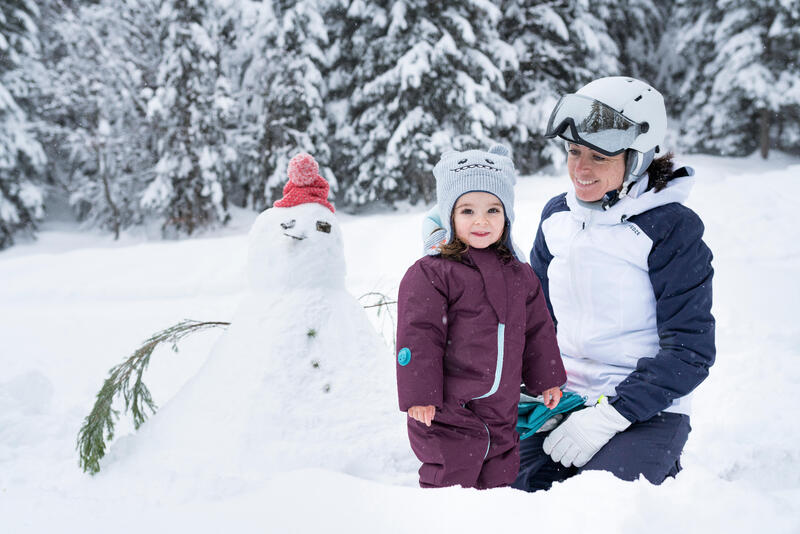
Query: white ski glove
{"x": 577, "y": 439}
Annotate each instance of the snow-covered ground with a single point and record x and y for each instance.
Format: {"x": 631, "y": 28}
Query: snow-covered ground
{"x": 75, "y": 303}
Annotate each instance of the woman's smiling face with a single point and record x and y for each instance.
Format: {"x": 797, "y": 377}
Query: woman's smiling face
{"x": 593, "y": 174}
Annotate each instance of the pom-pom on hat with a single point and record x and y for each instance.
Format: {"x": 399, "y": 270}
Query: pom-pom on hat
{"x": 305, "y": 184}
{"x": 458, "y": 173}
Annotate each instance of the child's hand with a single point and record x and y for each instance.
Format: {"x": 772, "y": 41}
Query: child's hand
{"x": 423, "y": 414}
{"x": 551, "y": 397}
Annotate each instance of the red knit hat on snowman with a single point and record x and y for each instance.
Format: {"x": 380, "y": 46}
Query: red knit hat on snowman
{"x": 305, "y": 184}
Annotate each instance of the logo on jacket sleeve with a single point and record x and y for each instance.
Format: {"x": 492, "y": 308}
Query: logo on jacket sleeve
{"x": 404, "y": 356}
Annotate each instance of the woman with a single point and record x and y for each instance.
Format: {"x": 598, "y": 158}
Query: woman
{"x": 628, "y": 280}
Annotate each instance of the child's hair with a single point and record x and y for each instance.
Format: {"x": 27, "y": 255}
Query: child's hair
{"x": 455, "y": 249}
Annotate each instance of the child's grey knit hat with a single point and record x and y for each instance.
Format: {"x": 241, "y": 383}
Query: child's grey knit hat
{"x": 458, "y": 173}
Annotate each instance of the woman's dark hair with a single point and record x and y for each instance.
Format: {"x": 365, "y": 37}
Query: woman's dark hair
{"x": 455, "y": 249}
{"x": 660, "y": 172}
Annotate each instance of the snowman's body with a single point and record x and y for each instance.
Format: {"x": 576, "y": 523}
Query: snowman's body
{"x": 300, "y": 379}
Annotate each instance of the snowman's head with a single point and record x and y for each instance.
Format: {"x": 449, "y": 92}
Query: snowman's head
{"x": 297, "y": 243}
{"x": 300, "y": 246}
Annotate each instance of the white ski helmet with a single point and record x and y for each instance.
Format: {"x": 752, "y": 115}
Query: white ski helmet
{"x": 612, "y": 115}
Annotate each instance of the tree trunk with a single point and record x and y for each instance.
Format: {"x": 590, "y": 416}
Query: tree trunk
{"x": 764, "y": 127}
{"x": 101, "y": 156}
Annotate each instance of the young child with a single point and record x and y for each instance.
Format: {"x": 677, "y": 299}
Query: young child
{"x": 472, "y": 325}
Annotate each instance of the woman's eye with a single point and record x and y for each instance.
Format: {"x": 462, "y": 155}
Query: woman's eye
{"x": 598, "y": 158}
{"x": 573, "y": 152}
{"x": 323, "y": 226}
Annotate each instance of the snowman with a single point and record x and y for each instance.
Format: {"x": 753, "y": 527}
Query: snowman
{"x": 299, "y": 380}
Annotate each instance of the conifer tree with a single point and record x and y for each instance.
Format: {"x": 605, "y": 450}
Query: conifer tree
{"x": 281, "y": 60}
{"x": 636, "y": 27}
{"x": 560, "y": 47}
{"x": 21, "y": 156}
{"x": 743, "y": 86}
{"x": 99, "y": 60}
{"x": 418, "y": 77}
{"x": 191, "y": 112}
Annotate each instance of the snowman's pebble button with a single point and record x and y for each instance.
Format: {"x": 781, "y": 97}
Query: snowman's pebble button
{"x": 404, "y": 356}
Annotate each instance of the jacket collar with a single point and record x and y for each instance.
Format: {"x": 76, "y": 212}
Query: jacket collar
{"x": 492, "y": 272}
{"x": 635, "y": 202}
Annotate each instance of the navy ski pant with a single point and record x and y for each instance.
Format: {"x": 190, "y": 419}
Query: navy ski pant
{"x": 651, "y": 448}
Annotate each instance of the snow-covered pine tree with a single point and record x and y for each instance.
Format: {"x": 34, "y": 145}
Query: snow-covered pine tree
{"x": 191, "y": 112}
{"x": 21, "y": 155}
{"x": 560, "y": 46}
{"x": 636, "y": 26}
{"x": 419, "y": 77}
{"x": 91, "y": 99}
{"x": 743, "y": 86}
{"x": 280, "y": 61}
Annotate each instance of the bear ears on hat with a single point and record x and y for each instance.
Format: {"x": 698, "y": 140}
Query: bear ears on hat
{"x": 500, "y": 150}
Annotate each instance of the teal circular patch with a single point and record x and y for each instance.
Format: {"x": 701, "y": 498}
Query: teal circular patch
{"x": 404, "y": 356}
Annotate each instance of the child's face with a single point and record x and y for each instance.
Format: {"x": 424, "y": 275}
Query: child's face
{"x": 478, "y": 219}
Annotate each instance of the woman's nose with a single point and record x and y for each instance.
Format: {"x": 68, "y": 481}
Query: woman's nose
{"x": 582, "y": 164}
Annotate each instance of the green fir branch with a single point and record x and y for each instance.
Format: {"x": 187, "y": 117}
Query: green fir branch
{"x": 98, "y": 427}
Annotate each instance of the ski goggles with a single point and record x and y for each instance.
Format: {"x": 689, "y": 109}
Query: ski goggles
{"x": 589, "y": 122}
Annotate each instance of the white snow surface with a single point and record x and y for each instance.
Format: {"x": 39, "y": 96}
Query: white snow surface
{"x": 248, "y": 440}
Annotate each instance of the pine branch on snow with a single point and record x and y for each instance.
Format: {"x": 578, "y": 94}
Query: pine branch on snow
{"x": 99, "y": 424}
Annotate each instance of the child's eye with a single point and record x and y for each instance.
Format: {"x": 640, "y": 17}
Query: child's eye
{"x": 494, "y": 210}
{"x": 466, "y": 211}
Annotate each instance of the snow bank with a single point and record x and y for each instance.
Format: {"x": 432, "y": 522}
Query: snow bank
{"x": 69, "y": 313}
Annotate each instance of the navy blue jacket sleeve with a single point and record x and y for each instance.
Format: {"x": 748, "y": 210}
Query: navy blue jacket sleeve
{"x": 681, "y": 273}
{"x": 540, "y": 254}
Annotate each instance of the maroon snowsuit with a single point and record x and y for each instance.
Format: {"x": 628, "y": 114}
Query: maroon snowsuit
{"x": 468, "y": 334}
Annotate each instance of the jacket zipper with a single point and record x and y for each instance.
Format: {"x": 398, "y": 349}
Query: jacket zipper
{"x": 498, "y": 371}
{"x": 488, "y": 438}
{"x": 574, "y": 282}
{"x": 486, "y": 427}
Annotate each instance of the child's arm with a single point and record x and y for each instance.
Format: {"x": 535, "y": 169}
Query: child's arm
{"x": 542, "y": 368}
{"x": 421, "y": 336}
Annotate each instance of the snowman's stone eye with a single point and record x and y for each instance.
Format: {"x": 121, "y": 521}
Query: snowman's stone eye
{"x": 289, "y": 224}
{"x": 322, "y": 226}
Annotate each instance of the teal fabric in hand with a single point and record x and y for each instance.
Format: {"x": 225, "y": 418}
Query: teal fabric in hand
{"x": 531, "y": 415}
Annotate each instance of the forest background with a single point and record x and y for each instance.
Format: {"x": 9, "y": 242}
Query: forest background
{"x": 175, "y": 112}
